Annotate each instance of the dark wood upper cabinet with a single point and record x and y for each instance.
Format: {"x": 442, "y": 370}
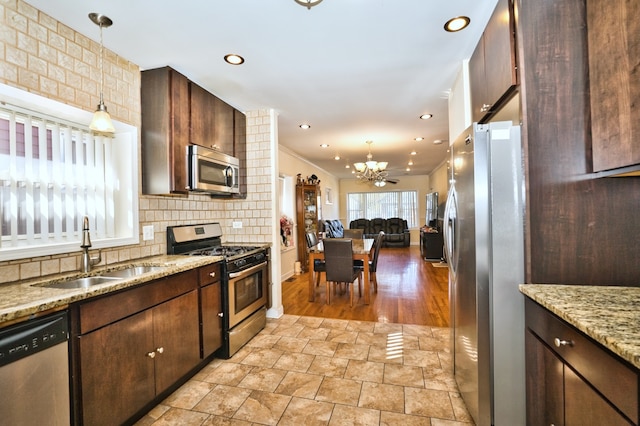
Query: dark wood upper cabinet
{"x": 165, "y": 131}
{"x": 211, "y": 121}
{"x": 492, "y": 67}
{"x": 614, "y": 66}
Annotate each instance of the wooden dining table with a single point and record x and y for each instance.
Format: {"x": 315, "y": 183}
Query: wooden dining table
{"x": 361, "y": 249}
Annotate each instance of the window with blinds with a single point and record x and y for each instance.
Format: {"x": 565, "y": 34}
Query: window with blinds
{"x": 51, "y": 176}
{"x": 371, "y": 205}
{"x": 53, "y": 172}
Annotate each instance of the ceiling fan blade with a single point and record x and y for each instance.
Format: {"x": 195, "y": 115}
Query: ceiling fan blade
{"x": 393, "y": 181}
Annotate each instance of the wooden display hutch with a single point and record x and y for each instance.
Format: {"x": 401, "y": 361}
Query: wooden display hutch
{"x": 307, "y": 216}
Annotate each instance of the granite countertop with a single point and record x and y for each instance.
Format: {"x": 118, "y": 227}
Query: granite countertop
{"x": 23, "y": 299}
{"x": 609, "y": 315}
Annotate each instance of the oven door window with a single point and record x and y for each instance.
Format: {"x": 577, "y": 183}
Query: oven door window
{"x": 214, "y": 173}
{"x": 246, "y": 292}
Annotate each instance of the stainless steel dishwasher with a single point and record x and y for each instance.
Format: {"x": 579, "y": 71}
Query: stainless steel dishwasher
{"x": 34, "y": 372}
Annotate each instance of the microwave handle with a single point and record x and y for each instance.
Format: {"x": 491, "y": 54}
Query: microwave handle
{"x": 230, "y": 176}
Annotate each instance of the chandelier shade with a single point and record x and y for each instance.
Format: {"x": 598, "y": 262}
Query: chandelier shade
{"x": 372, "y": 171}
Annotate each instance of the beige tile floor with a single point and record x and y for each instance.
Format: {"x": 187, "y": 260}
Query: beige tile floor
{"x": 315, "y": 371}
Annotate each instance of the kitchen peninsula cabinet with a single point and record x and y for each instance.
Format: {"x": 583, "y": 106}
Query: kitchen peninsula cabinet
{"x": 572, "y": 380}
{"x": 492, "y": 67}
{"x": 614, "y": 55}
{"x": 307, "y": 216}
{"x": 164, "y": 99}
{"x": 131, "y": 346}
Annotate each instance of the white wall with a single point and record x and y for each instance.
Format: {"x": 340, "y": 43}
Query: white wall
{"x": 460, "y": 103}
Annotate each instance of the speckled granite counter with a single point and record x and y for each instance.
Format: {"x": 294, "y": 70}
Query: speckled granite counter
{"x": 609, "y": 315}
{"x": 23, "y": 299}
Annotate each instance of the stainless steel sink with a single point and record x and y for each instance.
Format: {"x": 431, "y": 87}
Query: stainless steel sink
{"x": 133, "y": 271}
{"x": 80, "y": 282}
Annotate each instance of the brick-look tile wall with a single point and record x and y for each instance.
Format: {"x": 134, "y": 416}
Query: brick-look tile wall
{"x": 40, "y": 55}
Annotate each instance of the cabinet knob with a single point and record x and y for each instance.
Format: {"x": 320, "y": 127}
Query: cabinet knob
{"x": 212, "y": 274}
{"x": 151, "y": 354}
{"x": 220, "y": 314}
{"x": 160, "y": 350}
{"x": 558, "y": 342}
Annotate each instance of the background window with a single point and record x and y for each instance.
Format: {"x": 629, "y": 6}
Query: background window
{"x": 370, "y": 205}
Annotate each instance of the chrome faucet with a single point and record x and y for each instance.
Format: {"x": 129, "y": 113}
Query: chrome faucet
{"x": 87, "y": 260}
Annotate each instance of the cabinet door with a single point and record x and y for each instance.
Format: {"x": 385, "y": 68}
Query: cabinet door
{"x": 614, "y": 55}
{"x": 492, "y": 67}
{"x": 479, "y": 107}
{"x": 583, "y": 406}
{"x": 176, "y": 339}
{"x": 223, "y": 126}
{"x": 544, "y": 376}
{"x": 117, "y": 373}
{"x": 240, "y": 149}
{"x": 202, "y": 116}
{"x": 165, "y": 131}
{"x": 211, "y": 306}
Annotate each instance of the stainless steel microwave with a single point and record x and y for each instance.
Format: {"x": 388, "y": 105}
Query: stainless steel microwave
{"x": 212, "y": 171}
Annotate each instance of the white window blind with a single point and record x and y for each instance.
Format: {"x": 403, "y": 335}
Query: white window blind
{"x": 52, "y": 174}
{"x": 371, "y": 205}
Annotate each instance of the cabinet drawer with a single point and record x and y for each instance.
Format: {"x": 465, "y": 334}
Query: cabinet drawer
{"x": 105, "y": 310}
{"x": 610, "y": 376}
{"x": 209, "y": 274}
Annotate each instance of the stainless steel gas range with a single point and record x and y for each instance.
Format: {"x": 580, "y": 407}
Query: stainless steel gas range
{"x": 245, "y": 279}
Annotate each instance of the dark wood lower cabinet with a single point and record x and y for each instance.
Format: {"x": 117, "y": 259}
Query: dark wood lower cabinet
{"x": 576, "y": 382}
{"x": 126, "y": 363}
{"x": 211, "y": 305}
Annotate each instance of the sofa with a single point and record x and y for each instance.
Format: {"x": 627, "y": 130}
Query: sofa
{"x": 332, "y": 228}
{"x": 396, "y": 230}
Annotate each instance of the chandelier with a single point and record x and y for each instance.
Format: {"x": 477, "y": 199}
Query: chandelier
{"x": 372, "y": 171}
{"x": 308, "y": 3}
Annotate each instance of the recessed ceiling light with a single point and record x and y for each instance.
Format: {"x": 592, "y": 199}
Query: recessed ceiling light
{"x": 233, "y": 59}
{"x": 324, "y": 145}
{"x": 426, "y": 116}
{"x": 410, "y": 163}
{"x": 347, "y": 167}
{"x": 337, "y": 157}
{"x": 438, "y": 141}
{"x": 456, "y": 24}
{"x": 413, "y": 153}
{"x": 305, "y": 126}
{"x": 418, "y": 139}
{"x": 408, "y": 169}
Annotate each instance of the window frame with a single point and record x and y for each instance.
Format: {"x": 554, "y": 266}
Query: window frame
{"x": 362, "y": 212}
{"x": 125, "y": 202}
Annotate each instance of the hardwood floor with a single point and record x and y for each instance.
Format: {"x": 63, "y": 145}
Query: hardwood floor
{"x": 410, "y": 291}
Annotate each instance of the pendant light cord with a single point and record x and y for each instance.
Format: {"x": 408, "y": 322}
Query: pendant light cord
{"x": 101, "y": 66}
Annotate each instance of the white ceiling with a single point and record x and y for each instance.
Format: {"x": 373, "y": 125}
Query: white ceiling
{"x": 355, "y": 70}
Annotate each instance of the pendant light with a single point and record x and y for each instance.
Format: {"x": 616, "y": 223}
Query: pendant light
{"x": 101, "y": 121}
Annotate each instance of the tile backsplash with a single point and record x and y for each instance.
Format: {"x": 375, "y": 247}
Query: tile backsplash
{"x": 43, "y": 56}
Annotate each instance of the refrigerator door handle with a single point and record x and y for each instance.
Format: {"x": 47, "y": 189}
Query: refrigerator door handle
{"x": 450, "y": 214}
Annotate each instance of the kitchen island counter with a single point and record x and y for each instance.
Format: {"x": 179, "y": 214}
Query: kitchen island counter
{"x": 609, "y": 315}
{"x": 24, "y": 299}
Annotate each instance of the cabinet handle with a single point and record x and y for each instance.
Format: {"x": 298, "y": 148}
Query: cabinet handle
{"x": 151, "y": 354}
{"x": 212, "y": 274}
{"x": 160, "y": 350}
{"x": 559, "y": 342}
{"x": 220, "y": 314}
{"x": 485, "y": 107}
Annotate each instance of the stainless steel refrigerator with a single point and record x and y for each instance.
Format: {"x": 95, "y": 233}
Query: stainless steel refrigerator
{"x": 484, "y": 245}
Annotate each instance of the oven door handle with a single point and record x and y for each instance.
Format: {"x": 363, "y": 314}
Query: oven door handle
{"x": 248, "y": 271}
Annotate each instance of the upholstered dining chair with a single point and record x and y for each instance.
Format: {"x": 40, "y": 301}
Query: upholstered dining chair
{"x": 319, "y": 265}
{"x": 373, "y": 261}
{"x": 356, "y": 234}
{"x": 338, "y": 255}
